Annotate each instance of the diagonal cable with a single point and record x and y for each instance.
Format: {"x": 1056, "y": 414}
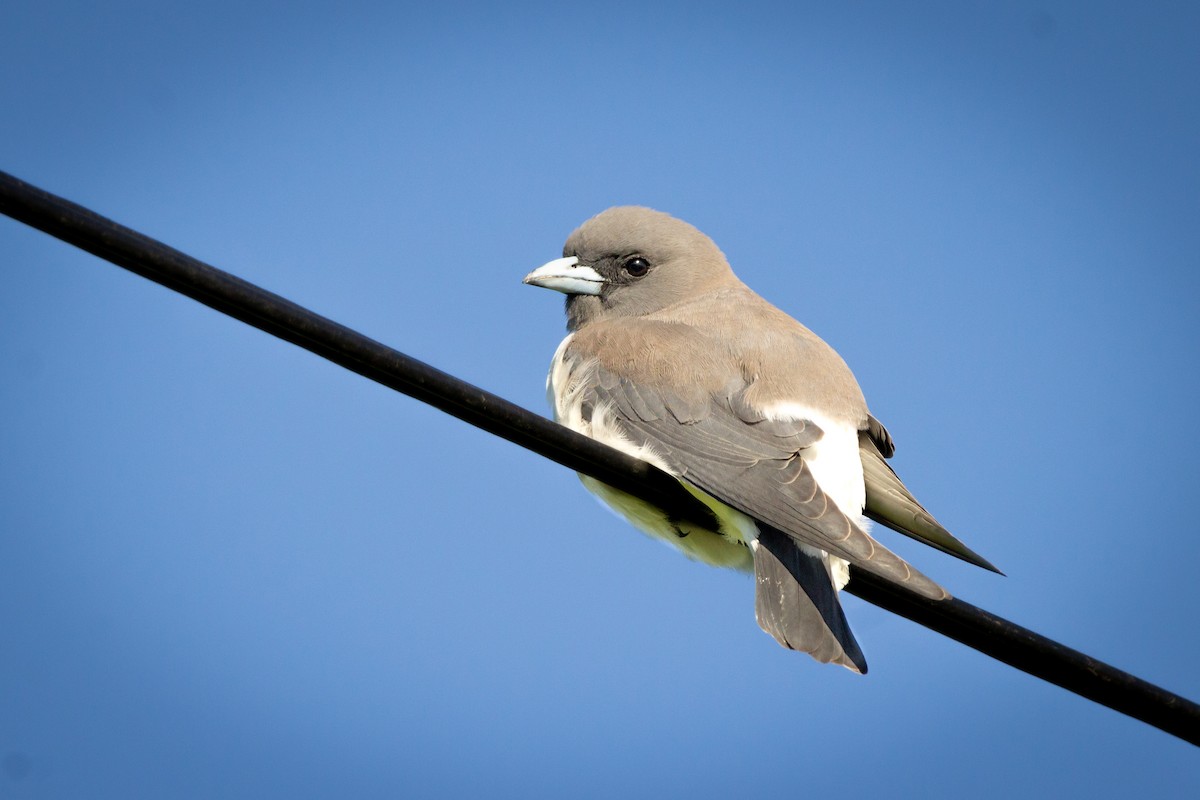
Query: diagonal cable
{"x": 979, "y": 629}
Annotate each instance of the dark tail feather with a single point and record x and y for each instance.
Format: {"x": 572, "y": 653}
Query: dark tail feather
{"x": 795, "y": 602}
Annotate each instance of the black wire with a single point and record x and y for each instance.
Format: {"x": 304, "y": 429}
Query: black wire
{"x": 974, "y": 627}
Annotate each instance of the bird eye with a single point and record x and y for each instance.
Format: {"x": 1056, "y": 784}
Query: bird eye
{"x": 636, "y": 266}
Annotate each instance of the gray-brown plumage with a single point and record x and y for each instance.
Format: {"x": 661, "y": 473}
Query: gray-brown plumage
{"x": 673, "y": 359}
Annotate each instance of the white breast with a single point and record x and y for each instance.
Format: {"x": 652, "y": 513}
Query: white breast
{"x": 565, "y": 391}
{"x": 727, "y": 548}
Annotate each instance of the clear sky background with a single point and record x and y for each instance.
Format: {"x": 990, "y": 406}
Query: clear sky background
{"x": 230, "y": 569}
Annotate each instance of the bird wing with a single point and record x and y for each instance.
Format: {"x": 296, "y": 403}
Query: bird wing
{"x": 721, "y": 443}
{"x": 890, "y": 503}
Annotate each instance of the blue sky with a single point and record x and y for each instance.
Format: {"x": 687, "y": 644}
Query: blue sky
{"x": 228, "y": 568}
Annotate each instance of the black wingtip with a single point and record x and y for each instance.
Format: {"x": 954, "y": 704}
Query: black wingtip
{"x": 960, "y": 551}
{"x": 889, "y": 502}
{"x": 928, "y": 532}
{"x": 971, "y": 557}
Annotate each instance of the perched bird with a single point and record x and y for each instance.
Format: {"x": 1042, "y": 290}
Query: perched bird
{"x": 672, "y": 359}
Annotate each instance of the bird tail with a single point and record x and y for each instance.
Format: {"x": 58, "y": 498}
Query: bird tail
{"x": 795, "y": 601}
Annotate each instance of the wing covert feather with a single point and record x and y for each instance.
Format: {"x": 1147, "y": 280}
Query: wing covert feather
{"x": 756, "y": 467}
